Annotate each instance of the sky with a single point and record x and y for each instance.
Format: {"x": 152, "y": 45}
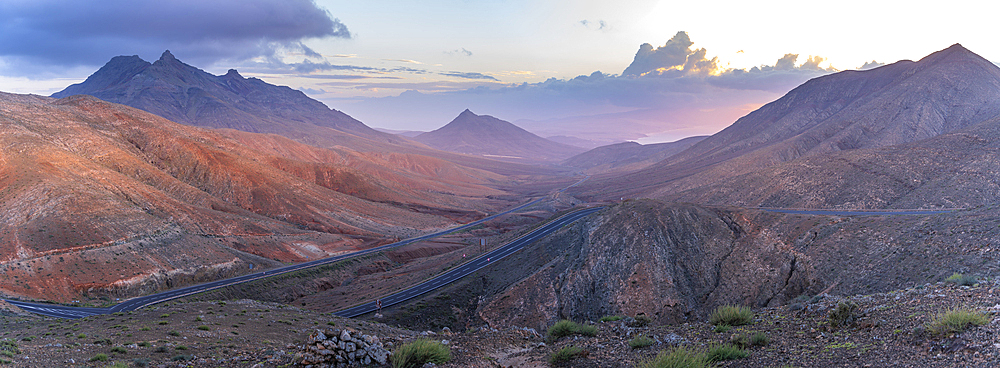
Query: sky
{"x": 557, "y": 68}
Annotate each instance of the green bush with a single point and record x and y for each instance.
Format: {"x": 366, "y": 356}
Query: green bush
{"x": 565, "y": 354}
{"x": 678, "y": 358}
{"x": 611, "y": 318}
{"x": 99, "y": 358}
{"x": 640, "y": 341}
{"x": 566, "y": 327}
{"x": 117, "y": 365}
{"x": 731, "y": 315}
{"x": 204, "y": 328}
{"x": 960, "y": 279}
{"x": 722, "y": 328}
{"x": 956, "y": 320}
{"x": 846, "y": 314}
{"x": 420, "y": 352}
{"x": 759, "y": 339}
{"x": 173, "y": 333}
{"x": 723, "y": 352}
{"x": 181, "y": 358}
{"x": 119, "y": 350}
{"x": 640, "y": 321}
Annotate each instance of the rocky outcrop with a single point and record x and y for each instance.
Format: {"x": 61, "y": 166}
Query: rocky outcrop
{"x": 342, "y": 348}
{"x": 671, "y": 262}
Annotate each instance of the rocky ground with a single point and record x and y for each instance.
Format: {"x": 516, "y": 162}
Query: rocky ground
{"x": 890, "y": 333}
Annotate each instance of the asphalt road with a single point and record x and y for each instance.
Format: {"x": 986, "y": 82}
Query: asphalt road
{"x": 469, "y": 267}
{"x": 62, "y": 311}
{"x": 858, "y": 212}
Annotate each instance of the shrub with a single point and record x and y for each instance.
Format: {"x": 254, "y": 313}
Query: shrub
{"x": 204, "y": 328}
{"x": 640, "y": 321}
{"x": 161, "y": 349}
{"x": 759, "y": 339}
{"x": 117, "y": 365}
{"x": 722, "y": 328}
{"x": 740, "y": 340}
{"x": 640, "y": 341}
{"x": 181, "y": 358}
{"x": 956, "y": 320}
{"x": 566, "y": 327}
{"x": 145, "y": 344}
{"x": 144, "y": 328}
{"x": 140, "y": 362}
{"x": 846, "y": 314}
{"x": 420, "y": 352}
{"x": 731, "y": 315}
{"x": 119, "y": 350}
{"x": 99, "y": 358}
{"x": 181, "y": 347}
{"x": 611, "y": 318}
{"x": 678, "y": 358}
{"x": 723, "y": 352}
{"x": 565, "y": 354}
{"x": 173, "y": 333}
{"x": 960, "y": 279}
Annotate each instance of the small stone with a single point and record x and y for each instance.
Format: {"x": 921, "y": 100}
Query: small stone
{"x": 345, "y": 336}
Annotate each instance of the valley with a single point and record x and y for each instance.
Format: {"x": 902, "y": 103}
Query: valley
{"x": 261, "y": 224}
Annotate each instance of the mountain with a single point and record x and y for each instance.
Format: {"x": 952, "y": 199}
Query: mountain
{"x": 891, "y": 105}
{"x": 485, "y": 135}
{"x": 87, "y": 184}
{"x": 188, "y": 95}
{"x": 628, "y": 156}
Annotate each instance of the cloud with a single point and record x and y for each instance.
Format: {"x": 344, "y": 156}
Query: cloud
{"x": 599, "y": 25}
{"x": 311, "y": 91}
{"x": 669, "y": 88}
{"x": 346, "y": 76}
{"x": 871, "y": 65}
{"x": 40, "y": 35}
{"x": 460, "y": 51}
{"x": 469, "y": 75}
{"x": 672, "y": 55}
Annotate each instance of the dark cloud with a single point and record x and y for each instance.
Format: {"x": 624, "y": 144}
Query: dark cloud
{"x": 786, "y": 62}
{"x": 347, "y": 76}
{"x": 672, "y": 55}
{"x": 42, "y": 34}
{"x": 871, "y": 65}
{"x": 469, "y": 75}
{"x": 599, "y": 25}
{"x": 460, "y": 51}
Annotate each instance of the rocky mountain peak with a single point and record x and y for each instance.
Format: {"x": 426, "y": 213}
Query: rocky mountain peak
{"x": 167, "y": 56}
{"x": 232, "y": 73}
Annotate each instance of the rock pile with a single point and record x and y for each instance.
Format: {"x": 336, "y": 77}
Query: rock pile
{"x": 342, "y": 348}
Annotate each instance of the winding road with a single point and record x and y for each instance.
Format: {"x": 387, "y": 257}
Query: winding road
{"x": 63, "y": 311}
{"x": 469, "y": 267}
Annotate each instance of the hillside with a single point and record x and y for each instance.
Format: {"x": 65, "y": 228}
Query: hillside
{"x": 488, "y": 136}
{"x": 891, "y": 330}
{"x": 188, "y": 95}
{"x": 895, "y": 104}
{"x": 628, "y": 156}
{"x": 86, "y": 183}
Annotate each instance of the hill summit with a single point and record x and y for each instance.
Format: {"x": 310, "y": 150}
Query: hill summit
{"x": 488, "y": 136}
{"x": 188, "y": 95}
